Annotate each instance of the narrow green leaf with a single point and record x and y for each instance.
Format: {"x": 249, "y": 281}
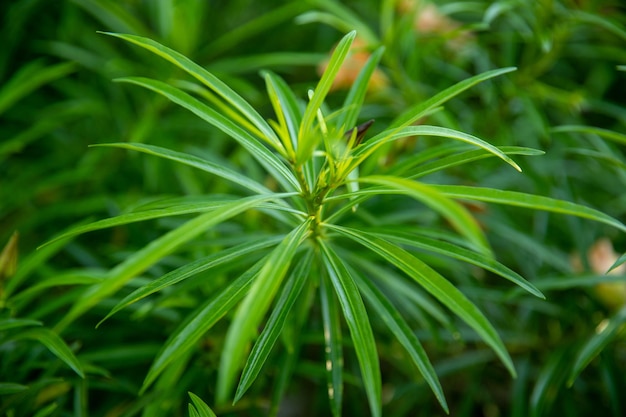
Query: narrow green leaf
{"x": 269, "y": 160}
{"x": 460, "y": 159}
{"x": 292, "y": 340}
{"x": 47, "y": 410}
{"x": 55, "y": 344}
{"x": 8, "y": 388}
{"x": 356, "y": 95}
{"x": 248, "y": 31}
{"x": 114, "y": 15}
{"x": 208, "y": 79}
{"x": 454, "y": 212}
{"x": 356, "y": 317}
{"x": 389, "y": 135}
{"x": 6, "y": 324}
{"x": 34, "y": 260}
{"x": 199, "y": 322}
{"x": 405, "y": 335}
{"x": 535, "y": 202}
{"x": 404, "y": 290}
{"x": 30, "y": 77}
{"x": 549, "y": 380}
{"x": 435, "y": 284}
{"x": 190, "y": 269}
{"x": 167, "y": 212}
{"x": 333, "y": 345}
{"x": 274, "y": 325}
{"x": 590, "y": 130}
{"x": 286, "y": 109}
{"x": 306, "y": 140}
{"x": 193, "y": 161}
{"x": 341, "y": 17}
{"x": 8, "y": 258}
{"x": 153, "y": 252}
{"x": 247, "y": 64}
{"x": 461, "y": 254}
{"x": 606, "y": 332}
{"x": 80, "y": 277}
{"x": 620, "y": 261}
{"x": 202, "y": 408}
{"x": 419, "y": 110}
{"x": 253, "y": 308}
{"x": 614, "y": 27}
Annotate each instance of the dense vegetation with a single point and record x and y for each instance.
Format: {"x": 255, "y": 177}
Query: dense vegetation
{"x": 243, "y": 231}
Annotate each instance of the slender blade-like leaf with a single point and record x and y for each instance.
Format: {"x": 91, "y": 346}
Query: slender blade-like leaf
{"x": 207, "y": 79}
{"x": 216, "y": 169}
{"x": 389, "y": 135}
{"x": 202, "y": 408}
{"x": 55, "y": 344}
{"x": 306, "y": 140}
{"x": 265, "y": 157}
{"x": 199, "y": 322}
{"x": 620, "y": 261}
{"x": 153, "y": 252}
{"x": 274, "y": 325}
{"x": 514, "y": 198}
{"x": 253, "y": 308}
{"x": 356, "y": 317}
{"x": 454, "y": 212}
{"x": 405, "y": 335}
{"x": 334, "y": 348}
{"x": 435, "y": 284}
{"x": 460, "y": 253}
{"x": 6, "y": 324}
{"x": 177, "y": 210}
{"x": 608, "y": 331}
{"x": 460, "y": 159}
{"x": 356, "y": 96}
{"x": 285, "y": 107}
{"x": 419, "y": 110}
{"x": 590, "y": 130}
{"x": 190, "y": 269}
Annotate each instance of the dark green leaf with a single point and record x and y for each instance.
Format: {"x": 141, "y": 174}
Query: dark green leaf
{"x": 55, "y": 344}
{"x": 334, "y": 346}
{"x": 607, "y": 331}
{"x": 403, "y": 332}
{"x": 356, "y": 317}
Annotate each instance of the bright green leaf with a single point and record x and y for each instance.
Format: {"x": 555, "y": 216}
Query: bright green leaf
{"x": 253, "y": 308}
{"x": 454, "y": 212}
{"x": 153, "y": 252}
{"x": 192, "y": 268}
{"x": 202, "y": 408}
{"x": 435, "y": 284}
{"x": 274, "y": 325}
{"x": 535, "y": 202}
{"x": 199, "y": 322}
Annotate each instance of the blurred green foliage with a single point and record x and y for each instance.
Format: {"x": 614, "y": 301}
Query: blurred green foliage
{"x": 57, "y": 98}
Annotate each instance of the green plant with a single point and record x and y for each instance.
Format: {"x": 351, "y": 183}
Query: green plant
{"x": 305, "y": 208}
